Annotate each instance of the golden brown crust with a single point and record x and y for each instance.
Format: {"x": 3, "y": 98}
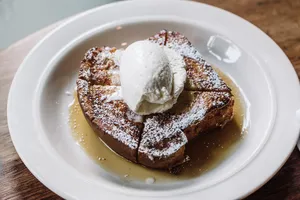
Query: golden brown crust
{"x": 202, "y": 77}
{"x": 157, "y": 141}
{"x": 216, "y": 116}
{"x": 165, "y": 134}
{"x": 111, "y": 119}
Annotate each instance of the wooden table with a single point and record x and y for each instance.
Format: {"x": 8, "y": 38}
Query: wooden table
{"x": 278, "y": 18}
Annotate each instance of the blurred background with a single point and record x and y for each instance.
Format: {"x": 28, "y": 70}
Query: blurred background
{"x": 19, "y": 18}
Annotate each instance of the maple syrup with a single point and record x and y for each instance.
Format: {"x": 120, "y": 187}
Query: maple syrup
{"x": 206, "y": 152}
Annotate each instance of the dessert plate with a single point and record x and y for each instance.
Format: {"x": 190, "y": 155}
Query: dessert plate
{"x": 39, "y": 97}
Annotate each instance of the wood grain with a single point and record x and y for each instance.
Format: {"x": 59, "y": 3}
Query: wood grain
{"x": 278, "y": 18}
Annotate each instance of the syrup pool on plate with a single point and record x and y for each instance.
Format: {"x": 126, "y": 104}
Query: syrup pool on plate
{"x": 214, "y": 146}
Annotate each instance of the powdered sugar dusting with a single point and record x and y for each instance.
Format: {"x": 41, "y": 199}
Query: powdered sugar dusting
{"x": 200, "y": 77}
{"x": 82, "y": 86}
{"x": 183, "y": 46}
{"x": 159, "y": 139}
{"x": 116, "y": 96}
{"x": 134, "y": 117}
{"x": 103, "y": 58}
{"x": 103, "y": 103}
{"x": 110, "y": 113}
{"x": 85, "y": 72}
{"x": 195, "y": 114}
{"x": 159, "y": 38}
{"x": 180, "y": 44}
{"x": 111, "y": 118}
{"x": 163, "y": 134}
{"x": 215, "y": 79}
{"x": 167, "y": 128}
{"x": 202, "y": 104}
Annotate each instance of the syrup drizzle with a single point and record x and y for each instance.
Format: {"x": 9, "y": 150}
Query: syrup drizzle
{"x": 206, "y": 152}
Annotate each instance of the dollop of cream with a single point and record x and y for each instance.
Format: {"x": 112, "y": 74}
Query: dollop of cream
{"x": 152, "y": 77}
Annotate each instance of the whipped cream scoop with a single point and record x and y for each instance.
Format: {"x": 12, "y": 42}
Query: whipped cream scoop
{"x": 152, "y": 77}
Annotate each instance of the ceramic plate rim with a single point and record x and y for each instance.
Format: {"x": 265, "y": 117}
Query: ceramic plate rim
{"x": 67, "y": 191}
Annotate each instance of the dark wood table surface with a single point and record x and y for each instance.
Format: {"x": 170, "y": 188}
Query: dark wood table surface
{"x": 280, "y": 19}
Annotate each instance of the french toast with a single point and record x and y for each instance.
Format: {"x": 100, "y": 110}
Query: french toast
{"x": 157, "y": 140}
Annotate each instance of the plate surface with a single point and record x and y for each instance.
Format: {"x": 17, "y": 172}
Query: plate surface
{"x": 38, "y": 104}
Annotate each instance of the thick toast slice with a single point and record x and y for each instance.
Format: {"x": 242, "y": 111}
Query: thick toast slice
{"x": 156, "y": 141}
{"x": 98, "y": 89}
{"x": 200, "y": 74}
{"x": 165, "y": 135}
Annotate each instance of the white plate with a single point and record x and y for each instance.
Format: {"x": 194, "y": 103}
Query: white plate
{"x": 37, "y": 105}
